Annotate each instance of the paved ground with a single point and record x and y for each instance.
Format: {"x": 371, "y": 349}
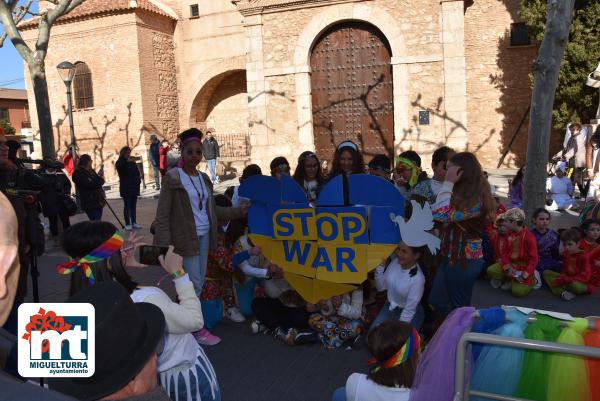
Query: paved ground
{"x": 257, "y": 367}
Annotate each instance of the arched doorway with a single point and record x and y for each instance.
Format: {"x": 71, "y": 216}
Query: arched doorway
{"x": 352, "y": 90}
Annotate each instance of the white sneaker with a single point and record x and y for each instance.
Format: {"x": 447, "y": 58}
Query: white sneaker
{"x": 257, "y": 327}
{"x": 136, "y": 226}
{"x": 537, "y": 280}
{"x": 506, "y": 286}
{"x": 495, "y": 283}
{"x": 567, "y": 296}
{"x": 235, "y": 315}
{"x": 128, "y": 227}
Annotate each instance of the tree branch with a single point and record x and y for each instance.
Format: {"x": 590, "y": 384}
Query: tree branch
{"x": 46, "y": 20}
{"x": 10, "y": 29}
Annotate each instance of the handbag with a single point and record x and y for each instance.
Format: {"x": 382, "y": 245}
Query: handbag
{"x": 68, "y": 204}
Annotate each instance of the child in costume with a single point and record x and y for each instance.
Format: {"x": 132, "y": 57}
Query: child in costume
{"x": 401, "y": 276}
{"x": 99, "y": 254}
{"x": 407, "y": 172}
{"x": 591, "y": 232}
{"x": 560, "y": 188}
{"x": 519, "y": 257}
{"x": 574, "y": 276}
{"x": 340, "y": 319}
{"x": 395, "y": 347}
{"x": 548, "y": 244}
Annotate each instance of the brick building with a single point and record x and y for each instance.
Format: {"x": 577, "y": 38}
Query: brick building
{"x": 14, "y": 108}
{"x": 276, "y": 77}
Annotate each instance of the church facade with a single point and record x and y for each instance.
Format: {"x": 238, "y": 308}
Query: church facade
{"x": 277, "y": 77}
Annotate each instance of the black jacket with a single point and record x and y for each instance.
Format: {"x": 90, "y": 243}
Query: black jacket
{"x": 210, "y": 148}
{"x": 89, "y": 184}
{"x": 57, "y": 185}
{"x": 129, "y": 177}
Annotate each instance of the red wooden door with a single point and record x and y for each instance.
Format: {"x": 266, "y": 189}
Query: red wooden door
{"x": 352, "y": 90}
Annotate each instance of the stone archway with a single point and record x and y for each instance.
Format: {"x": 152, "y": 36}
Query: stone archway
{"x": 222, "y": 103}
{"x": 312, "y": 32}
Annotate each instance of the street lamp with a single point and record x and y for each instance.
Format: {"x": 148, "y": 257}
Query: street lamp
{"x": 66, "y": 70}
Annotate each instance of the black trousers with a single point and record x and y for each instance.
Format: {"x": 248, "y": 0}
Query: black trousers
{"x": 53, "y": 220}
{"x": 272, "y": 313}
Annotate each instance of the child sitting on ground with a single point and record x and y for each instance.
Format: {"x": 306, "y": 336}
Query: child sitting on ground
{"x": 560, "y": 188}
{"x": 574, "y": 276}
{"x": 395, "y": 348}
{"x": 405, "y": 284}
{"x": 340, "y": 319}
{"x": 548, "y": 244}
{"x": 519, "y": 257}
{"x": 591, "y": 232}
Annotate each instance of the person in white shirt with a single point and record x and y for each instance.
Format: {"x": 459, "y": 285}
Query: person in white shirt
{"x": 405, "y": 283}
{"x": 394, "y": 346}
{"x": 180, "y": 354}
{"x": 560, "y": 188}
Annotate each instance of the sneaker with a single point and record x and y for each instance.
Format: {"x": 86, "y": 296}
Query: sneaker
{"x": 257, "y": 327}
{"x": 506, "y": 286}
{"x": 567, "y": 296}
{"x": 280, "y": 334}
{"x": 290, "y": 337}
{"x": 136, "y": 226}
{"x": 204, "y": 337}
{"x": 128, "y": 227}
{"x": 537, "y": 280}
{"x": 495, "y": 283}
{"x": 235, "y": 315}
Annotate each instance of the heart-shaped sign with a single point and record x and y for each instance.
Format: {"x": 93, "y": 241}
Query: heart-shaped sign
{"x": 327, "y": 249}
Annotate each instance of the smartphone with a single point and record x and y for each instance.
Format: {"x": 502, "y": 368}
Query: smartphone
{"x": 149, "y": 254}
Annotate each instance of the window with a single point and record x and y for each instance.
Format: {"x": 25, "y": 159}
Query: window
{"x": 82, "y": 86}
{"x": 194, "y": 11}
{"x": 4, "y": 114}
{"x": 519, "y": 34}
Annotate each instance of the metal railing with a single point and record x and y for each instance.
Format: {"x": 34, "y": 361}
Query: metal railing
{"x": 462, "y": 359}
{"x": 234, "y": 146}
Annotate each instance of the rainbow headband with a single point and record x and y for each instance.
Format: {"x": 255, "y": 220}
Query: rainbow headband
{"x": 414, "y": 169}
{"x": 104, "y": 251}
{"x": 410, "y": 348}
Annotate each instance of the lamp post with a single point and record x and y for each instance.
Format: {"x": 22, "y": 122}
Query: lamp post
{"x": 66, "y": 70}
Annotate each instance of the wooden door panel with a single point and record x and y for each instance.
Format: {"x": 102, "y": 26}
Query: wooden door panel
{"x": 352, "y": 90}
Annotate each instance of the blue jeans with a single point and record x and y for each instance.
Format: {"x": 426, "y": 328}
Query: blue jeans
{"x": 195, "y": 266}
{"x": 339, "y": 394}
{"x": 386, "y": 314}
{"x": 156, "y": 171}
{"x": 129, "y": 205}
{"x": 212, "y": 168}
{"x": 94, "y": 214}
{"x": 453, "y": 285}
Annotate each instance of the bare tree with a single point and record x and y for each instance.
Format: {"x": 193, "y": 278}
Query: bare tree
{"x": 546, "y": 69}
{"x": 10, "y": 15}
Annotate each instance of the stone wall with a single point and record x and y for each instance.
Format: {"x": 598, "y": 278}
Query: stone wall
{"x": 497, "y": 81}
{"x": 227, "y": 107}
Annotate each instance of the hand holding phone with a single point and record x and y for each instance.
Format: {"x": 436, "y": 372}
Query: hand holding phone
{"x": 149, "y": 254}
{"x": 171, "y": 261}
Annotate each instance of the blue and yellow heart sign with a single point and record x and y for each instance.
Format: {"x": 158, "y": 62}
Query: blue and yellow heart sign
{"x": 328, "y": 249}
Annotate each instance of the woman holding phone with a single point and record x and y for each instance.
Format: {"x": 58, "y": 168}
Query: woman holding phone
{"x": 465, "y": 206}
{"x": 186, "y": 216}
{"x": 129, "y": 187}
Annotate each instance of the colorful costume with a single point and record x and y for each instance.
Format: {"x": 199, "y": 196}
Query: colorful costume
{"x": 219, "y": 275}
{"x": 521, "y": 255}
{"x": 337, "y": 327}
{"x": 462, "y": 249}
{"x": 547, "y": 247}
{"x": 574, "y": 276}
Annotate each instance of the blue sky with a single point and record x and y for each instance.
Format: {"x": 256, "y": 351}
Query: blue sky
{"x": 11, "y": 64}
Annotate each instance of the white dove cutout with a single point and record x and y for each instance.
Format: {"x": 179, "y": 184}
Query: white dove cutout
{"x": 414, "y": 232}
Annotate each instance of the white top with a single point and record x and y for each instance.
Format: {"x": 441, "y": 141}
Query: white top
{"x": 403, "y": 291}
{"x": 559, "y": 186}
{"x": 360, "y": 388}
{"x": 181, "y": 320}
{"x": 196, "y": 189}
{"x": 236, "y": 199}
{"x": 435, "y": 186}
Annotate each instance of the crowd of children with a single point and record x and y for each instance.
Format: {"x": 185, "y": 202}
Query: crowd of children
{"x": 523, "y": 259}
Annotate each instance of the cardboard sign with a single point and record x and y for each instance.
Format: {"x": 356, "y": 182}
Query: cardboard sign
{"x": 328, "y": 249}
